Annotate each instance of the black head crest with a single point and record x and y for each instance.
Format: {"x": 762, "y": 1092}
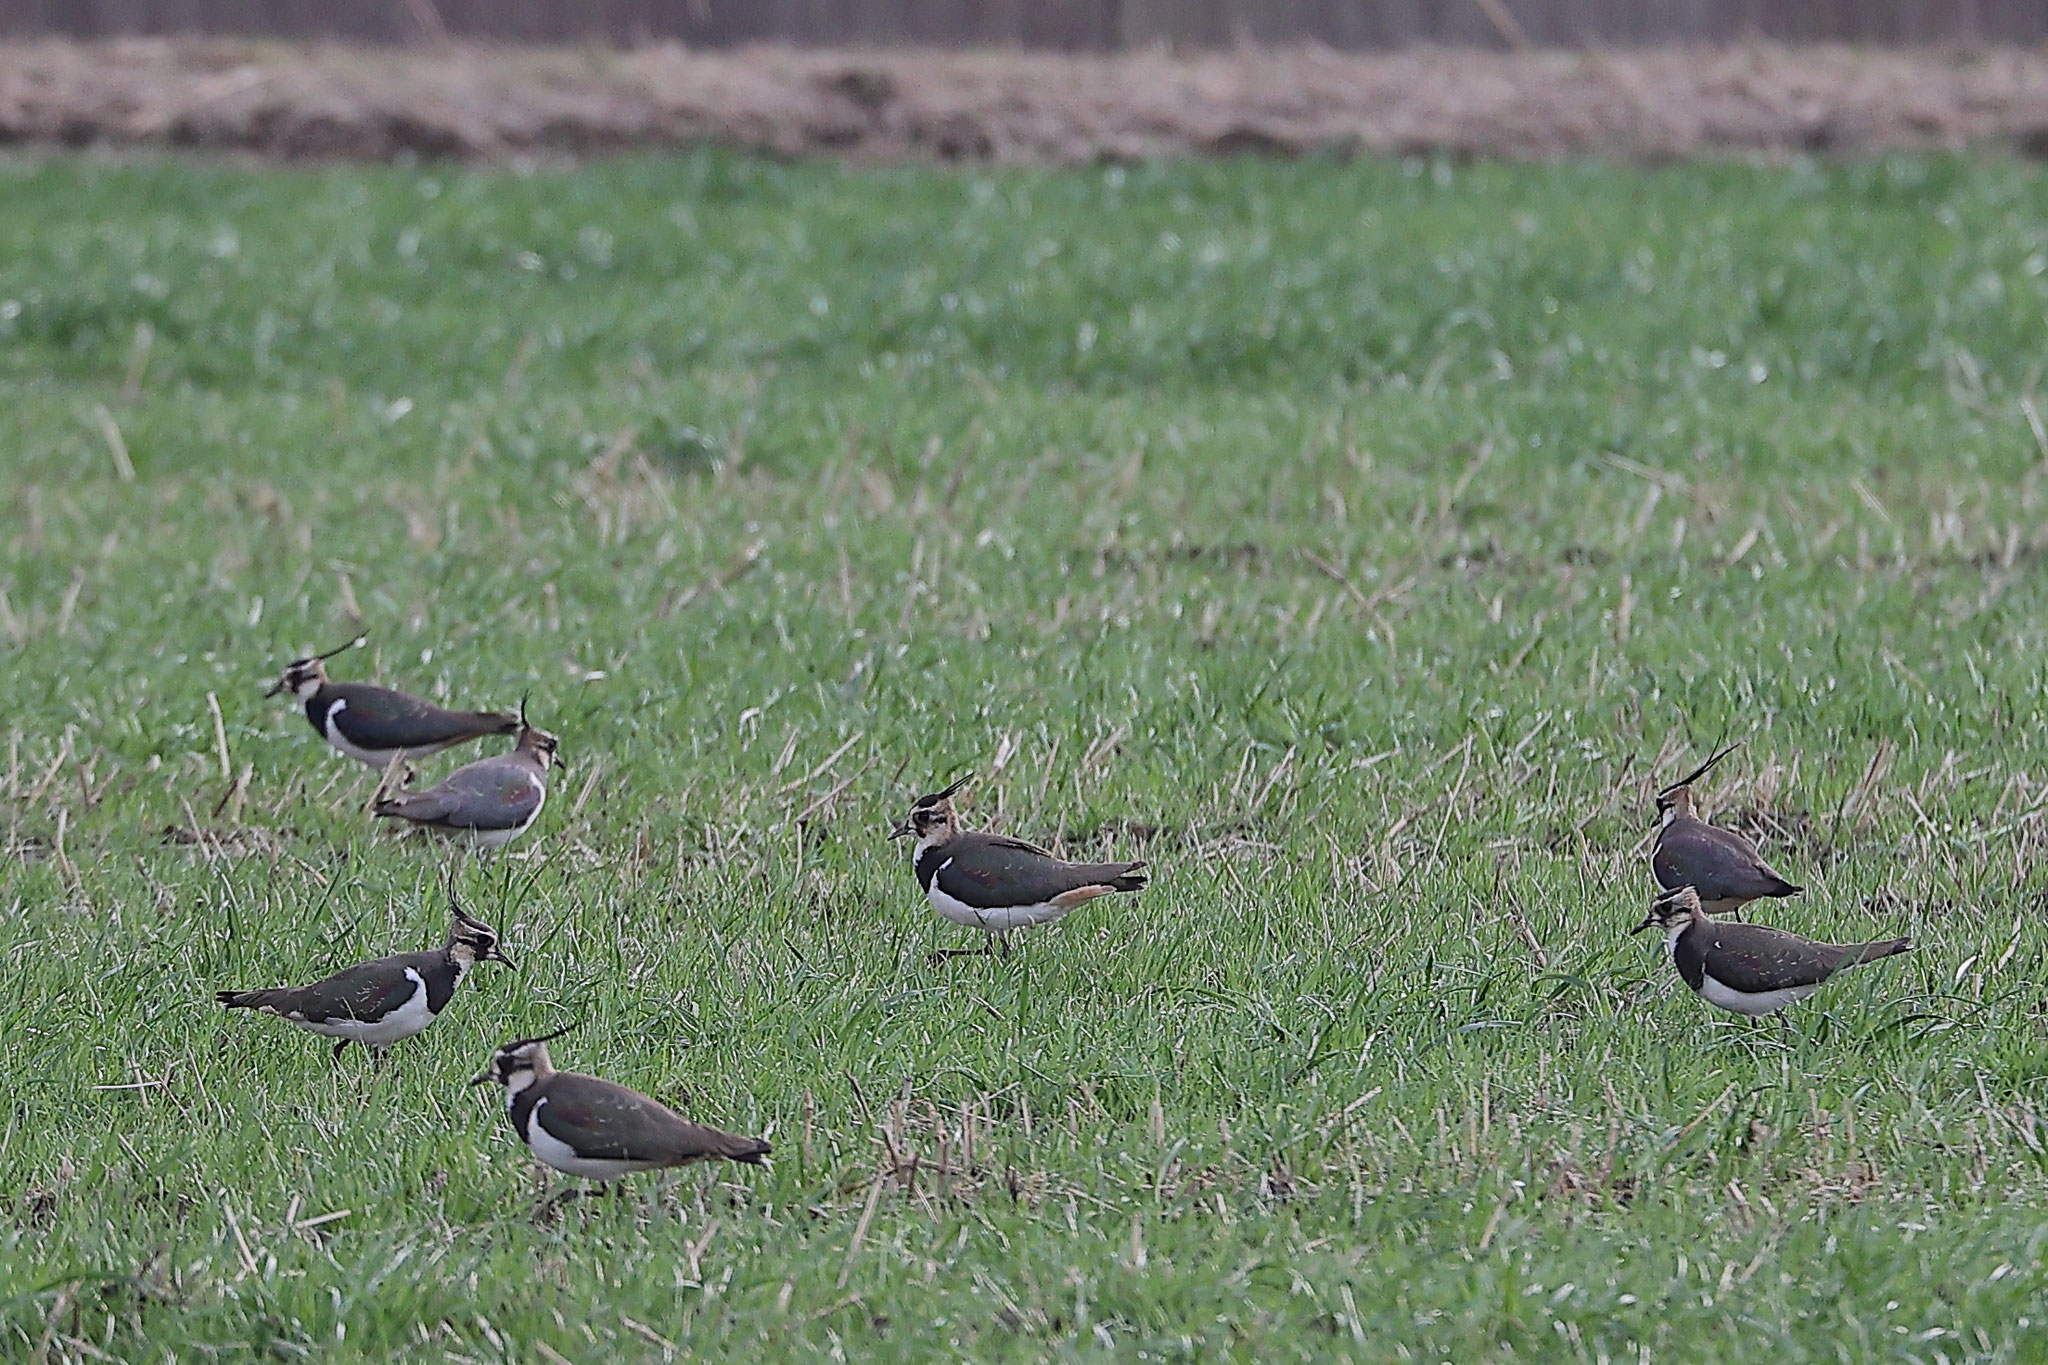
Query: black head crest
{"x": 1670, "y": 907}
{"x": 358, "y": 641}
{"x": 500, "y": 1068}
{"x": 544, "y": 1038}
{"x": 933, "y": 798}
{"x": 462, "y": 915}
{"x": 1700, "y": 771}
{"x": 1682, "y": 897}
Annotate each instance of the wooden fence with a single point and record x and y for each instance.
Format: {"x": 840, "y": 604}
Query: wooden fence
{"x": 1066, "y": 25}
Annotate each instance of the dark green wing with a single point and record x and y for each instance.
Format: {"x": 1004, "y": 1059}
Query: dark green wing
{"x": 379, "y": 718}
{"x": 492, "y": 793}
{"x": 1718, "y": 863}
{"x": 1753, "y": 957}
{"x": 368, "y": 990}
{"x": 608, "y": 1122}
{"x": 990, "y": 871}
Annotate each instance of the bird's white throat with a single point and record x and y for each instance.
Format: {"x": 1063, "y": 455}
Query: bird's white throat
{"x": 515, "y": 1083}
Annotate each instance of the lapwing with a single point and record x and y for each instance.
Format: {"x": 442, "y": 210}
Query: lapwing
{"x": 1750, "y": 969}
{"x": 1722, "y": 866}
{"x": 377, "y": 725}
{"x": 489, "y": 802}
{"x": 995, "y": 883}
{"x": 591, "y": 1128}
{"x": 380, "y": 1002}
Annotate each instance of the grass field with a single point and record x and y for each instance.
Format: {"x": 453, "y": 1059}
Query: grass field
{"x": 1359, "y": 543}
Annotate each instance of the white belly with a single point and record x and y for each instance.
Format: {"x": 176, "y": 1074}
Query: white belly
{"x": 384, "y": 759}
{"x": 562, "y": 1156}
{"x": 403, "y": 1022}
{"x": 1762, "y": 1002}
{"x": 995, "y": 921}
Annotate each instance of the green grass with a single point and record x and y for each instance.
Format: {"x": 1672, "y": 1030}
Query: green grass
{"x": 1357, "y": 542}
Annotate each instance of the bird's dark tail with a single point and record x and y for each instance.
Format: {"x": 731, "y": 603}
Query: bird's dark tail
{"x": 1872, "y": 952}
{"x": 749, "y": 1150}
{"x": 243, "y": 1000}
{"x": 1133, "y": 877}
{"x": 497, "y": 723}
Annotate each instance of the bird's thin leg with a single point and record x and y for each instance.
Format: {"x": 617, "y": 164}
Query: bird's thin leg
{"x": 377, "y": 1058}
{"x": 1003, "y": 945}
{"x": 552, "y": 1204}
{"x": 340, "y": 1048}
{"x": 383, "y": 784}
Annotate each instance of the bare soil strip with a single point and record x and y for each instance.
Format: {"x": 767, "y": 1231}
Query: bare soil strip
{"x": 486, "y": 103}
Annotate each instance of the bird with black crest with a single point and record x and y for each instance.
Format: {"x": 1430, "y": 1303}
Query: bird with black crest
{"x": 598, "y": 1130}
{"x": 1719, "y": 864}
{"x": 380, "y": 726}
{"x": 993, "y": 882}
{"x": 489, "y": 803}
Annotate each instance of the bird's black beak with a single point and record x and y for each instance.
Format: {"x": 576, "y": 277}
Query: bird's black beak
{"x": 901, "y": 831}
{"x": 1648, "y": 922}
{"x": 276, "y": 688}
{"x": 497, "y": 954}
{"x": 481, "y": 1077}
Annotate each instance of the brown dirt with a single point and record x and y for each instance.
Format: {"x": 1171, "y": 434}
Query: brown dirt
{"x": 480, "y": 102}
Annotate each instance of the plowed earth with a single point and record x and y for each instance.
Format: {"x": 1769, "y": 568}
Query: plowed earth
{"x": 481, "y": 103}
